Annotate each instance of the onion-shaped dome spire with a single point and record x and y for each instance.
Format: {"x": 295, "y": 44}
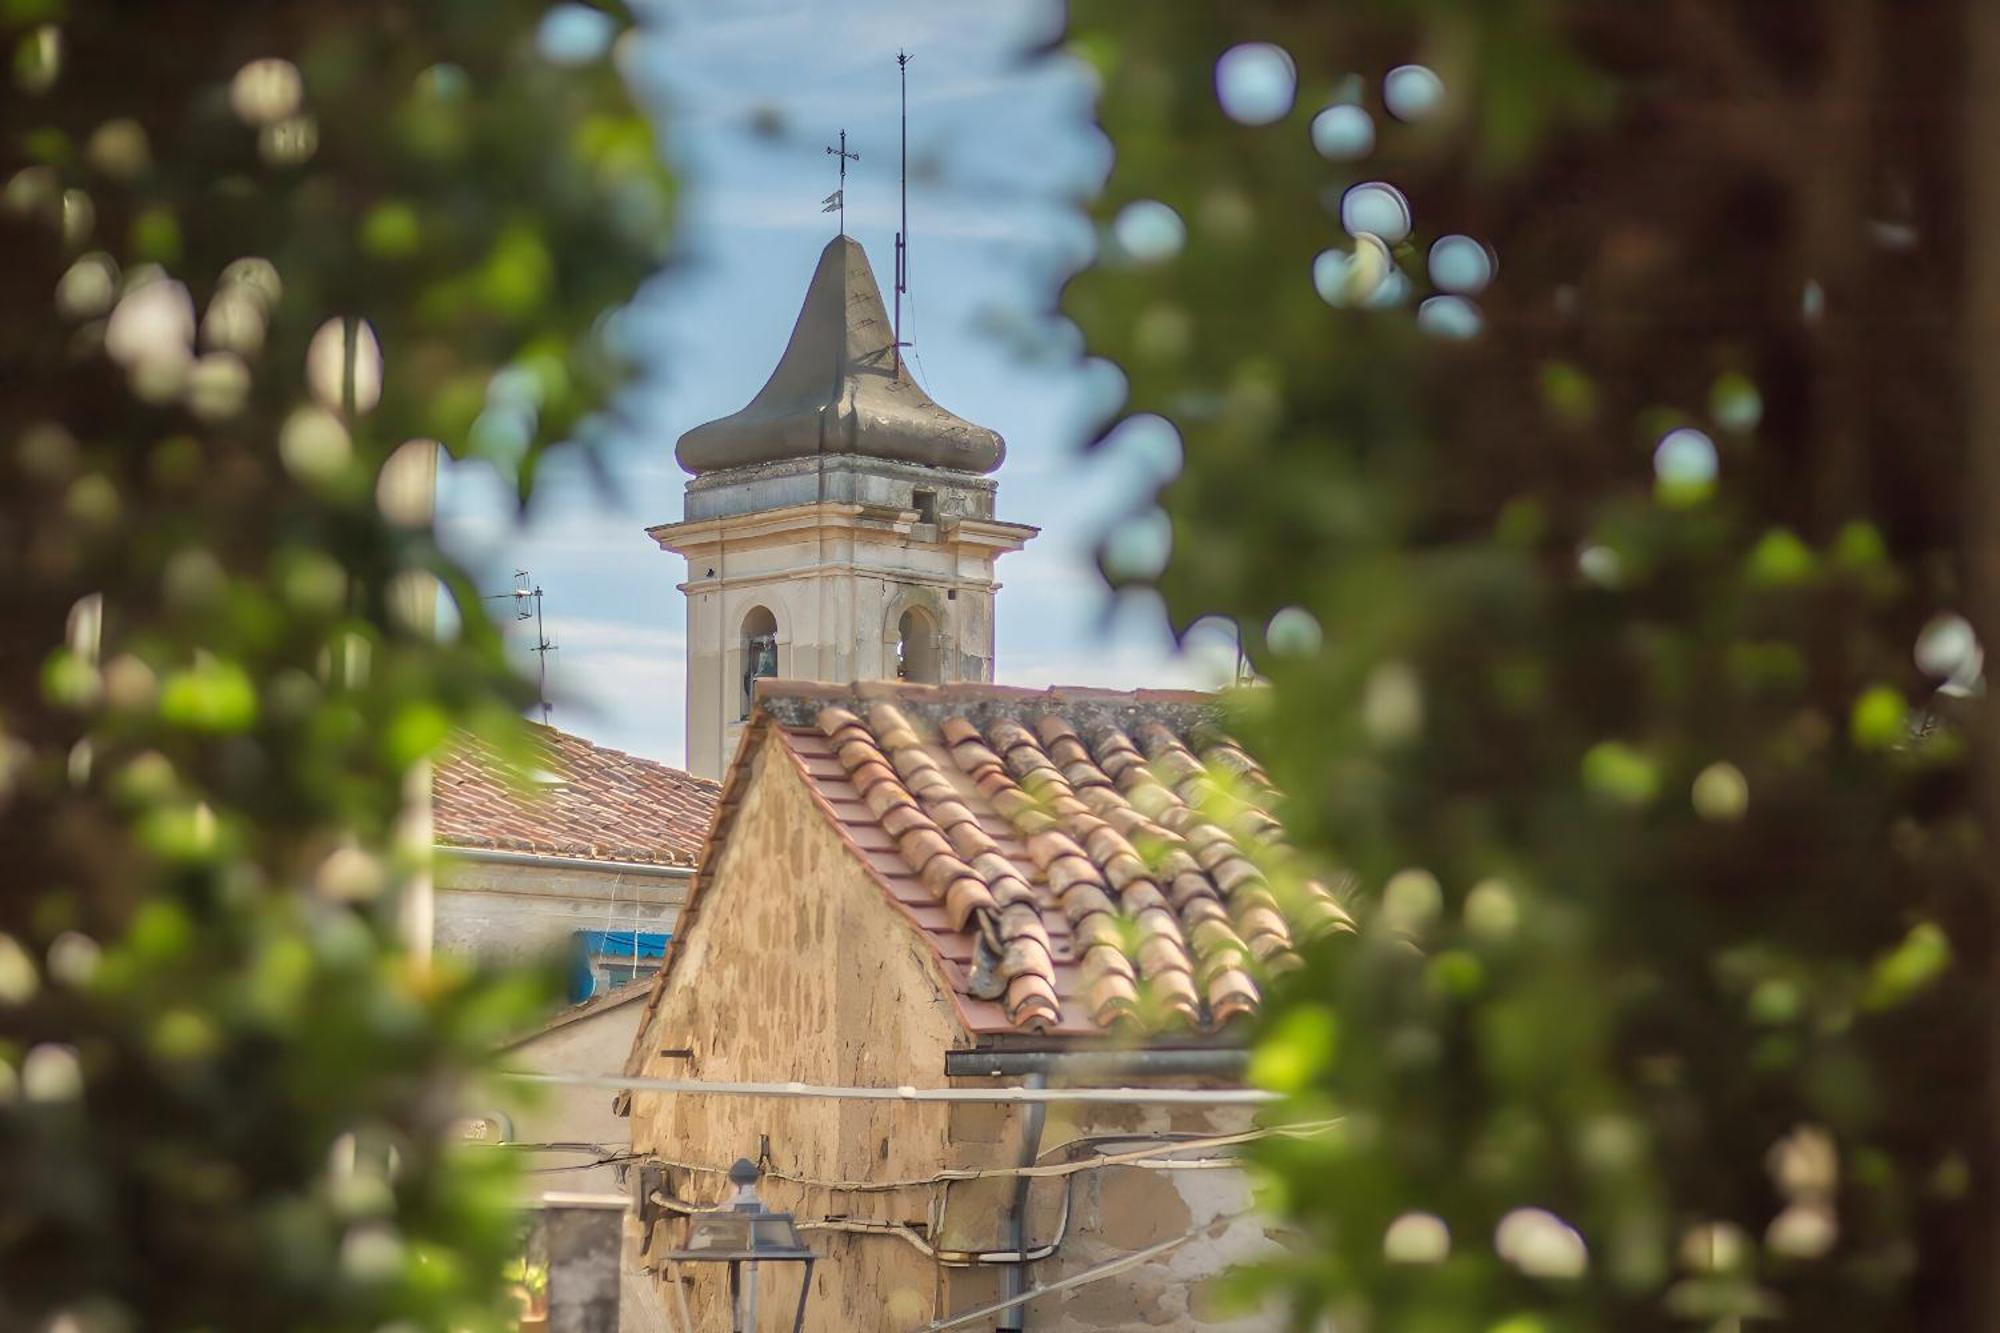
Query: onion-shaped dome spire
{"x": 840, "y": 389}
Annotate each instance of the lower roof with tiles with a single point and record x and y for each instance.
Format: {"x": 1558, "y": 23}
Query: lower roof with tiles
{"x": 569, "y": 798}
{"x": 1082, "y": 862}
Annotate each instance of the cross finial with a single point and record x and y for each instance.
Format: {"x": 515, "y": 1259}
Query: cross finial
{"x": 837, "y": 201}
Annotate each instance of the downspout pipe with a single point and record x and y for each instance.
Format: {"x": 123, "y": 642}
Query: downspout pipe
{"x": 1014, "y": 1277}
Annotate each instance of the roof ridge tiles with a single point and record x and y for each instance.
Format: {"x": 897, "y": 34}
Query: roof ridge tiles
{"x": 797, "y": 703}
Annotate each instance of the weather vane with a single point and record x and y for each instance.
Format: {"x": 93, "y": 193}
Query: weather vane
{"x": 837, "y": 201}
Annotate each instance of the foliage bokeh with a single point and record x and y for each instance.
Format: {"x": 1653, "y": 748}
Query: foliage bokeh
{"x": 1615, "y": 626}
{"x": 256, "y": 253}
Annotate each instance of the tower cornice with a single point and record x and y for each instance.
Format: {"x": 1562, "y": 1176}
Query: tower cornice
{"x": 864, "y": 522}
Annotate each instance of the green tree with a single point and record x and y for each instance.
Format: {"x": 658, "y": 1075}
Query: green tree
{"x": 253, "y": 252}
{"x": 1617, "y": 612}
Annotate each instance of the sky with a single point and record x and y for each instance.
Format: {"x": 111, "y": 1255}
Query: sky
{"x": 1002, "y": 149}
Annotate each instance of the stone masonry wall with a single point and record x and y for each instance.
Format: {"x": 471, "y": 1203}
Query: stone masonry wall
{"x": 798, "y": 967}
{"x": 520, "y": 912}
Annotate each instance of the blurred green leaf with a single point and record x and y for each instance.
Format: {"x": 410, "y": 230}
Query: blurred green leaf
{"x": 1909, "y": 968}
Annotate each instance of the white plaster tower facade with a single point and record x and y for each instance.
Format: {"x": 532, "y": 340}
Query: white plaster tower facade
{"x": 840, "y": 527}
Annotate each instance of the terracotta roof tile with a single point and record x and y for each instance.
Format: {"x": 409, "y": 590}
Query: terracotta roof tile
{"x": 570, "y": 798}
{"x": 1095, "y": 859}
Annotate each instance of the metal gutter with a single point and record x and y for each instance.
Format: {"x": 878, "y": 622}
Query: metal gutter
{"x": 499, "y": 856}
{"x": 1191, "y": 1062}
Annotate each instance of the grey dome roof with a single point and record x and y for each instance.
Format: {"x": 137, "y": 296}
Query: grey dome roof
{"x": 837, "y": 390}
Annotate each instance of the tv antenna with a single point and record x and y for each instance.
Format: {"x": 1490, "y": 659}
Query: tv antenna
{"x": 524, "y": 591}
{"x": 902, "y": 236}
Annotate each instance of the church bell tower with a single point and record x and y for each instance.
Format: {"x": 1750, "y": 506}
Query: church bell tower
{"x": 840, "y": 527}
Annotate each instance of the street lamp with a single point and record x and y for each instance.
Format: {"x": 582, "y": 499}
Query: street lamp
{"x": 743, "y": 1232}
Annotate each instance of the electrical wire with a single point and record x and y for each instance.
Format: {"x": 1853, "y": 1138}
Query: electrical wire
{"x": 619, "y": 1160}
{"x": 903, "y": 1231}
{"x": 1143, "y": 1157}
{"x": 1109, "y": 1269}
{"x": 915, "y": 355}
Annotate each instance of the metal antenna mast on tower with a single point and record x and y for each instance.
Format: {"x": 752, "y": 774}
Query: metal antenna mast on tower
{"x": 903, "y": 236}
{"x": 526, "y": 590}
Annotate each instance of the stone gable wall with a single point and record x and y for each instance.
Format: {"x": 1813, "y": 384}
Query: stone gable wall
{"x": 799, "y": 968}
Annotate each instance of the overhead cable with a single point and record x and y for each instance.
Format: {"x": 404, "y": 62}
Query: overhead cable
{"x": 1145, "y": 1158}
{"x": 1150, "y": 1155}
{"x": 1087, "y": 1276}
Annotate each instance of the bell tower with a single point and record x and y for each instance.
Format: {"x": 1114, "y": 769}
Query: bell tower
{"x": 838, "y": 528}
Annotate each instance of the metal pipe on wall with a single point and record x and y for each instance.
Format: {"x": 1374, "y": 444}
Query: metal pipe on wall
{"x": 1014, "y": 1278}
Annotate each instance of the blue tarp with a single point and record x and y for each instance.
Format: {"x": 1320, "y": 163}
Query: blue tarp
{"x": 611, "y": 946}
{"x": 623, "y": 943}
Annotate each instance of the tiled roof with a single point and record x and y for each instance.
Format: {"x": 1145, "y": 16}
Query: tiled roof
{"x": 576, "y": 799}
{"x": 1081, "y": 860}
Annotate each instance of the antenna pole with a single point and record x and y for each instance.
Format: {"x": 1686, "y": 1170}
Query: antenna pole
{"x": 902, "y": 236}
{"x": 542, "y": 646}
{"x": 526, "y": 590}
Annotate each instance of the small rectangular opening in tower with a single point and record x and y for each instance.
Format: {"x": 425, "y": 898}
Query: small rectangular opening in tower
{"x": 925, "y": 503}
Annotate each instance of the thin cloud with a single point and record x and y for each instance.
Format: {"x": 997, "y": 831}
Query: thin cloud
{"x": 608, "y": 636}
